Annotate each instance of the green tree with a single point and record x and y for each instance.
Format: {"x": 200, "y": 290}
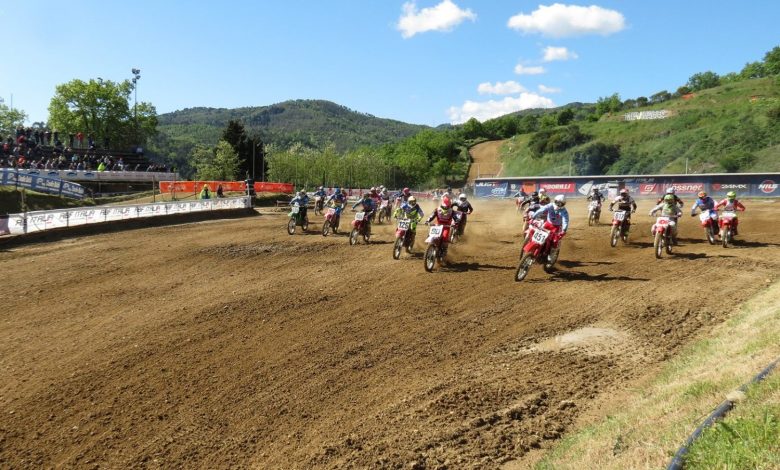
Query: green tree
{"x": 565, "y": 117}
{"x": 608, "y": 104}
{"x": 641, "y": 102}
{"x": 660, "y": 97}
{"x": 753, "y": 70}
{"x": 10, "y": 119}
{"x": 596, "y": 158}
{"x": 219, "y": 164}
{"x": 772, "y": 61}
{"x": 473, "y": 129}
{"x": 102, "y": 108}
{"x": 235, "y": 135}
{"x": 703, "y": 80}
{"x": 683, "y": 90}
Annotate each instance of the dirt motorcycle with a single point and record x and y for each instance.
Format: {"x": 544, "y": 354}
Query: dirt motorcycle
{"x": 662, "y": 235}
{"x": 709, "y": 220}
{"x": 332, "y": 219}
{"x": 361, "y": 227}
{"x": 319, "y": 204}
{"x": 404, "y": 237}
{"x": 458, "y": 225}
{"x": 594, "y": 213}
{"x": 542, "y": 246}
{"x": 437, "y": 246}
{"x": 297, "y": 218}
{"x": 620, "y": 226}
{"x": 385, "y": 210}
{"x": 727, "y": 222}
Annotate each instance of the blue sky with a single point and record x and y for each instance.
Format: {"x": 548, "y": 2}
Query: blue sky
{"x": 424, "y": 62}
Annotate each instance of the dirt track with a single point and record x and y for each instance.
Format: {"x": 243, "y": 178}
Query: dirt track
{"x": 485, "y": 161}
{"x": 233, "y": 344}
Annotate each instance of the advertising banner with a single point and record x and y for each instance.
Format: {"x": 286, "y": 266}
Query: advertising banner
{"x": 227, "y": 186}
{"x": 17, "y": 224}
{"x": 89, "y": 175}
{"x": 41, "y": 184}
{"x": 558, "y": 187}
{"x": 492, "y": 189}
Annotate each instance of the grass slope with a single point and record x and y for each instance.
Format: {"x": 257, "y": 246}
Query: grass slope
{"x": 732, "y": 120}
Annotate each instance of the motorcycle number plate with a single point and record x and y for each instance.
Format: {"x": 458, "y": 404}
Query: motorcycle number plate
{"x": 540, "y": 236}
{"x": 619, "y": 215}
{"x": 360, "y": 215}
{"x": 728, "y": 214}
{"x": 435, "y": 231}
{"x": 403, "y": 224}
{"x": 662, "y": 221}
{"x": 331, "y": 211}
{"x": 295, "y": 209}
{"x": 704, "y": 216}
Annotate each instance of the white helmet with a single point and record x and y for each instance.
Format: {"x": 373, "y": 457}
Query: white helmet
{"x": 542, "y": 190}
{"x": 462, "y": 197}
{"x": 670, "y": 190}
{"x": 560, "y": 200}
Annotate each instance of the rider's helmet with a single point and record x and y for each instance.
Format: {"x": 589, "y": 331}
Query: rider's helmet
{"x": 406, "y": 192}
{"x": 534, "y": 194}
{"x": 669, "y": 199}
{"x": 301, "y": 193}
{"x": 366, "y": 195}
{"x": 702, "y": 194}
{"x": 624, "y": 193}
{"x": 670, "y": 190}
{"x": 544, "y": 199}
{"x": 412, "y": 201}
{"x": 731, "y": 195}
{"x": 596, "y": 191}
{"x": 560, "y": 201}
{"x": 446, "y": 203}
{"x": 373, "y": 189}
{"x": 462, "y": 197}
{"x": 336, "y": 190}
{"x": 542, "y": 191}
{"x": 321, "y": 188}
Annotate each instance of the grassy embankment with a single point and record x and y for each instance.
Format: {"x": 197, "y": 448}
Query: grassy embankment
{"x": 738, "y": 120}
{"x": 644, "y": 427}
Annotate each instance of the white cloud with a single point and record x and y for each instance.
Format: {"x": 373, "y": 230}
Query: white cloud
{"x": 560, "y": 20}
{"x": 548, "y": 89}
{"x": 558, "y": 53}
{"x": 534, "y": 70}
{"x": 485, "y": 110}
{"x": 443, "y": 17}
{"x": 500, "y": 88}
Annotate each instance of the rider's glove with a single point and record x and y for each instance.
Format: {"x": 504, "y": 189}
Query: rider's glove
{"x": 693, "y": 215}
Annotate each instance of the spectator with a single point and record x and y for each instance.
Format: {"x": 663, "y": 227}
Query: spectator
{"x": 204, "y": 192}
{"x": 71, "y": 138}
{"x": 80, "y": 138}
{"x": 219, "y": 191}
{"x": 101, "y": 166}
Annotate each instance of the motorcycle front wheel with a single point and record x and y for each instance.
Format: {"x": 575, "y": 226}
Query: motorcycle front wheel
{"x": 591, "y": 218}
{"x": 399, "y": 243}
{"x": 710, "y": 232}
{"x": 614, "y": 236}
{"x": 430, "y": 258}
{"x": 525, "y": 265}
{"x": 353, "y": 236}
{"x": 325, "y": 228}
{"x": 291, "y": 226}
{"x": 658, "y": 244}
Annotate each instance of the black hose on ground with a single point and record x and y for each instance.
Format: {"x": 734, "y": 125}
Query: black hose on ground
{"x": 719, "y": 412}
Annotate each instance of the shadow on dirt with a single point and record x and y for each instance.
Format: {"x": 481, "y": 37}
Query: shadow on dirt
{"x": 677, "y": 254}
{"x": 577, "y": 264}
{"x": 582, "y": 276}
{"x": 747, "y": 244}
{"x": 462, "y": 267}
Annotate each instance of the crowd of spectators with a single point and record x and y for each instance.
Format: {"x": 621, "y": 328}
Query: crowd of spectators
{"x": 44, "y": 150}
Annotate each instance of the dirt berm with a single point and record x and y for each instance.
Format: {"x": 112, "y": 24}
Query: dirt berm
{"x": 230, "y": 344}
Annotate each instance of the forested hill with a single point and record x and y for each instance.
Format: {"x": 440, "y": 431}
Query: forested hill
{"x": 314, "y": 123}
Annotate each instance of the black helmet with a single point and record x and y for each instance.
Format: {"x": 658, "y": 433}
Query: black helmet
{"x": 534, "y": 194}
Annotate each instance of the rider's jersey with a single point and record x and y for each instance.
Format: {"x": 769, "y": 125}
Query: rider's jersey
{"x": 412, "y": 213}
{"x": 677, "y": 200}
{"x": 321, "y": 193}
{"x": 529, "y": 201}
{"x": 624, "y": 204}
{"x": 368, "y": 204}
{"x": 442, "y": 217}
{"x": 727, "y": 205}
{"x": 465, "y": 207}
{"x": 598, "y": 197}
{"x": 705, "y": 204}
{"x": 667, "y": 210}
{"x": 557, "y": 217}
{"x": 337, "y": 198}
{"x": 384, "y": 195}
{"x": 302, "y": 201}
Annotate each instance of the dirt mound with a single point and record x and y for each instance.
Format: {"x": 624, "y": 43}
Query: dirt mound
{"x": 234, "y": 344}
{"x": 485, "y": 160}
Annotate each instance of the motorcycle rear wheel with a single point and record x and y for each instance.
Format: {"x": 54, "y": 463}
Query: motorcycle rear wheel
{"x": 325, "y": 228}
{"x": 614, "y": 236}
{"x": 305, "y": 225}
{"x": 430, "y": 258}
{"x": 549, "y": 266}
{"x": 591, "y": 218}
{"x": 399, "y": 242}
{"x": 366, "y": 235}
{"x": 291, "y": 226}
{"x": 668, "y": 245}
{"x": 353, "y": 236}
{"x": 658, "y": 244}
{"x": 725, "y": 237}
{"x": 710, "y": 232}
{"x": 525, "y": 265}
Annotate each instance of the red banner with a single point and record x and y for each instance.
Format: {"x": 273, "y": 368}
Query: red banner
{"x": 685, "y": 188}
{"x": 567, "y": 187}
{"x": 227, "y": 186}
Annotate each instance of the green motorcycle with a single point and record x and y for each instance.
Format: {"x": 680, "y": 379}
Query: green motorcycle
{"x": 297, "y": 218}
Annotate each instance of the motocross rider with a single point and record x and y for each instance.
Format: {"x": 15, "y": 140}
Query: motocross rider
{"x": 705, "y": 203}
{"x": 557, "y": 215}
{"x": 596, "y": 196}
{"x": 669, "y": 208}
{"x": 670, "y": 190}
{"x": 302, "y": 199}
{"x": 368, "y": 207}
{"x": 624, "y": 202}
{"x": 321, "y": 193}
{"x": 337, "y": 201}
{"x": 443, "y": 215}
{"x": 465, "y": 208}
{"x": 412, "y": 211}
{"x": 731, "y": 204}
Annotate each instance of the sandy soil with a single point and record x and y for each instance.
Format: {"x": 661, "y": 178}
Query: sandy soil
{"x": 484, "y": 160}
{"x": 232, "y": 344}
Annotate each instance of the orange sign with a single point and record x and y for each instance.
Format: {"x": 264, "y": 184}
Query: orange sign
{"x": 227, "y": 186}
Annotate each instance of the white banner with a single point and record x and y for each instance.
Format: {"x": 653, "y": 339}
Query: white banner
{"x": 74, "y": 175}
{"x": 18, "y": 224}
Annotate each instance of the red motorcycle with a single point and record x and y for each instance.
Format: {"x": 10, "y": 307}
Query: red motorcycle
{"x": 620, "y": 226}
{"x": 662, "y": 235}
{"x": 709, "y": 221}
{"x": 543, "y": 247}
{"x": 437, "y": 245}
{"x": 404, "y": 238}
{"x": 332, "y": 218}
{"x": 727, "y": 224}
{"x": 360, "y": 227}
{"x": 385, "y": 210}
